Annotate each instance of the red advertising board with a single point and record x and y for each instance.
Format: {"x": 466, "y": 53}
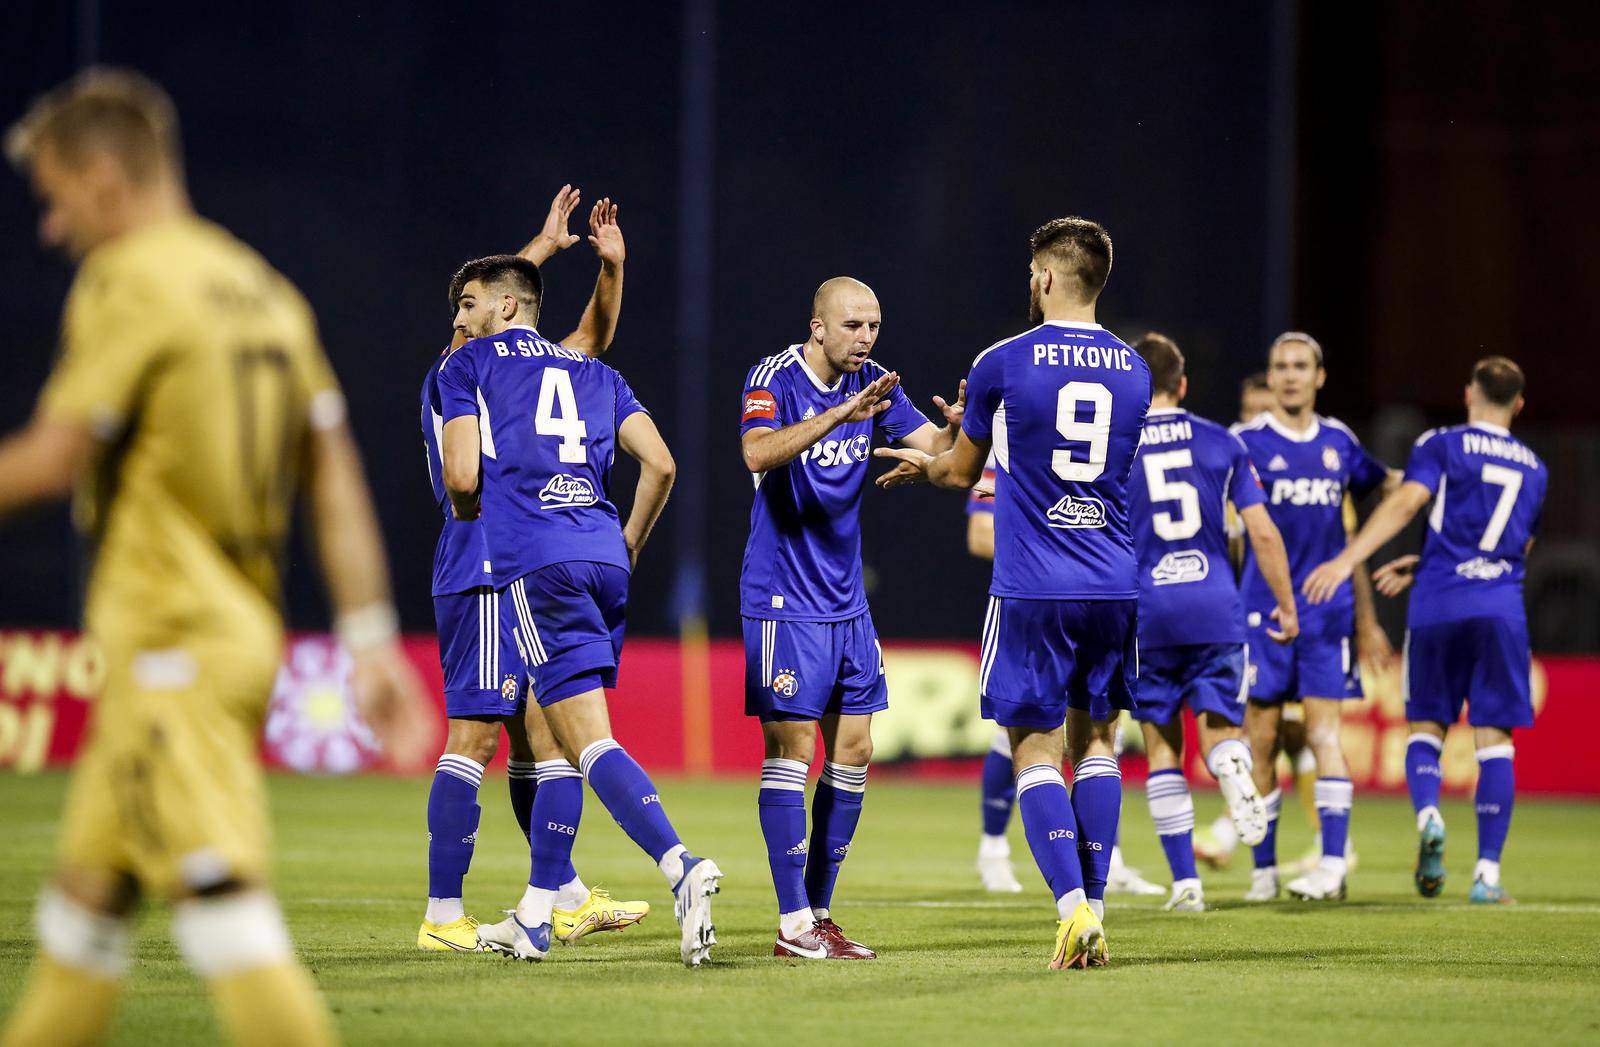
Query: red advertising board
{"x": 679, "y": 708}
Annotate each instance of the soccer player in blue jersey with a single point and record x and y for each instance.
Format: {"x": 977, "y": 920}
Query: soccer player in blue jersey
{"x": 1467, "y": 630}
{"x": 812, "y": 657}
{"x": 483, "y": 671}
{"x": 1191, "y": 627}
{"x": 1062, "y": 405}
{"x": 1307, "y": 463}
{"x": 530, "y": 431}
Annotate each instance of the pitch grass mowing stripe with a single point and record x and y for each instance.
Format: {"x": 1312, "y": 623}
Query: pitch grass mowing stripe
{"x": 957, "y": 965}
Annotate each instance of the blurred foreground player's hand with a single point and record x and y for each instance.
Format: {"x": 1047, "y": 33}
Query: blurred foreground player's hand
{"x": 1396, "y": 576}
{"x": 393, "y": 702}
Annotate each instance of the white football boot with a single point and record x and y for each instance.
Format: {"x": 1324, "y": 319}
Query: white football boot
{"x": 1187, "y": 896}
{"x": 994, "y": 866}
{"x": 1324, "y": 883}
{"x": 1124, "y": 879}
{"x": 1263, "y": 885}
{"x": 1246, "y": 808}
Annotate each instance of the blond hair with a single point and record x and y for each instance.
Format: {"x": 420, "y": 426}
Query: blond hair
{"x": 115, "y": 111}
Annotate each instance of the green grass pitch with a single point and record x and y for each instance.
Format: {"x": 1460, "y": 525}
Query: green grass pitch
{"x": 956, "y": 966}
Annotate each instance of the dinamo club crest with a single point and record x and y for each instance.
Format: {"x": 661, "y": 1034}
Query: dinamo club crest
{"x": 1330, "y": 459}
{"x": 508, "y": 689}
{"x": 786, "y": 683}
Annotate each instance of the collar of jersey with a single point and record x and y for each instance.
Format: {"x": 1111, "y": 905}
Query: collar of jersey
{"x": 524, "y": 327}
{"x": 1164, "y": 411}
{"x": 798, "y": 355}
{"x": 1076, "y": 323}
{"x": 1288, "y": 433}
{"x": 1498, "y": 430}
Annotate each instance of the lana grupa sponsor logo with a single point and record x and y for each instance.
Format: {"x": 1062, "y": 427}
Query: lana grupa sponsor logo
{"x": 565, "y": 491}
{"x": 1073, "y": 511}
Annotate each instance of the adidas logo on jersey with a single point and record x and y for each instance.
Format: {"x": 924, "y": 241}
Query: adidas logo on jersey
{"x": 1184, "y": 565}
{"x": 1277, "y": 465}
{"x": 567, "y": 492}
{"x": 1074, "y": 512}
{"x": 1482, "y": 569}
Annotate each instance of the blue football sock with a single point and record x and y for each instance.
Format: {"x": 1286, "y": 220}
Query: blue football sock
{"x": 629, "y": 796}
{"x": 1423, "y": 774}
{"x": 999, "y": 792}
{"x": 452, "y": 823}
{"x": 1172, "y": 810}
{"x": 1097, "y": 805}
{"x": 1052, "y": 831}
{"x": 1496, "y": 791}
{"x": 781, "y": 804}
{"x": 1334, "y": 796}
{"x": 557, "y": 810}
{"x": 521, "y": 782}
{"x": 1266, "y": 852}
{"x": 835, "y": 812}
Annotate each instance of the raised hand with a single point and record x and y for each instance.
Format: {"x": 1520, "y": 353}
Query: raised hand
{"x": 555, "y": 232}
{"x": 912, "y": 467}
{"x": 605, "y": 235}
{"x": 869, "y": 401}
{"x": 1394, "y": 577}
{"x": 1321, "y": 584}
{"x": 953, "y": 413}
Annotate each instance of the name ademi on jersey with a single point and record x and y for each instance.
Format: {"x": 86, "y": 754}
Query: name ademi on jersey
{"x": 1061, "y": 406}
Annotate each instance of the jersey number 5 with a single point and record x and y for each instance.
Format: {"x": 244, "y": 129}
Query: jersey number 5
{"x": 1169, "y": 527}
{"x": 1096, "y": 432}
{"x": 557, "y": 415}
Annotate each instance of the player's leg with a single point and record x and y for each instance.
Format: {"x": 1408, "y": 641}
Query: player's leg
{"x": 998, "y": 795}
{"x": 788, "y": 748}
{"x": 1493, "y": 799}
{"x": 1217, "y": 695}
{"x": 1302, "y": 761}
{"x": 1172, "y": 809}
{"x": 522, "y": 777}
{"x": 1499, "y": 699}
{"x": 1334, "y": 795}
{"x": 570, "y": 619}
{"x": 1261, "y": 720}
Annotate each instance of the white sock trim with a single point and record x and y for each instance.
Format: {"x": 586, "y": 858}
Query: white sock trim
{"x": 444, "y": 910}
{"x": 593, "y": 751}
{"x": 1433, "y": 741}
{"x": 1335, "y": 794}
{"x": 462, "y": 767}
{"x": 521, "y": 769}
{"x": 794, "y": 924}
{"x": 572, "y": 894}
{"x": 845, "y": 777}
{"x": 1274, "y": 804}
{"x": 551, "y": 770}
{"x": 536, "y": 906}
{"x": 231, "y": 934}
{"x": 1171, "y": 806}
{"x": 1068, "y": 903}
{"x": 671, "y": 864}
{"x": 1039, "y": 774}
{"x": 1503, "y": 751}
{"x": 1096, "y": 767}
{"x": 76, "y": 936}
{"x": 788, "y": 775}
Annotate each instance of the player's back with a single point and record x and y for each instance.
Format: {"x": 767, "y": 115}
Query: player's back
{"x": 461, "y": 556}
{"x": 1066, "y": 403}
{"x": 548, "y": 419}
{"x": 200, "y": 367}
{"x": 1489, "y": 490}
{"x": 1187, "y": 472}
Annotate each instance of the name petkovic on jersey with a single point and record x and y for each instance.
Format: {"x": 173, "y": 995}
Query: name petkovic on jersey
{"x": 1115, "y": 357}
{"x": 565, "y": 491}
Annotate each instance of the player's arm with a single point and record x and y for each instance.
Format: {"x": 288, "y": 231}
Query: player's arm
{"x": 766, "y": 449}
{"x": 350, "y": 548}
{"x": 553, "y": 236}
{"x": 461, "y": 457}
{"x": 931, "y": 439}
{"x": 958, "y": 468}
{"x": 1273, "y": 560}
{"x": 980, "y": 535}
{"x": 39, "y": 462}
{"x": 641, "y": 440}
{"x": 598, "y": 325}
{"x": 1386, "y": 521}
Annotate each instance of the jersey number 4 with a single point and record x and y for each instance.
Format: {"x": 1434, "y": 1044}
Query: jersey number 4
{"x": 557, "y": 415}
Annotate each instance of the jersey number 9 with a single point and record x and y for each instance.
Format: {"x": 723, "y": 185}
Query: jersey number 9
{"x": 1096, "y": 432}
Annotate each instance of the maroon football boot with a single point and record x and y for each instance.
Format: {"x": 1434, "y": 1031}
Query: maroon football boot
{"x": 861, "y": 951}
{"x": 816, "y": 944}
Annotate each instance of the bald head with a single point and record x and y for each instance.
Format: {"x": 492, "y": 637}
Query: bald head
{"x": 844, "y": 323}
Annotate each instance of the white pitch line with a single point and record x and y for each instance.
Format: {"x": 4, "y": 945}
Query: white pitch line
{"x": 1391, "y": 907}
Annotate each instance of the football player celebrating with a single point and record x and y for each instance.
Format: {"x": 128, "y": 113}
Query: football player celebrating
{"x": 1467, "y": 630}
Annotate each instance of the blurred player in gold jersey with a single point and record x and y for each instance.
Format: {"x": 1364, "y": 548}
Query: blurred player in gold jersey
{"x": 191, "y": 405}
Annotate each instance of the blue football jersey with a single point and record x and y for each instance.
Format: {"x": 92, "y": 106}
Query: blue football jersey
{"x": 1062, "y": 406}
{"x": 548, "y": 419}
{"x": 802, "y": 562}
{"x": 1306, "y": 476}
{"x": 1488, "y": 492}
{"x": 461, "y": 557}
{"x": 1186, "y": 472}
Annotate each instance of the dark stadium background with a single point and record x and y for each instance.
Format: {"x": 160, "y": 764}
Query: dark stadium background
{"x": 1416, "y": 184}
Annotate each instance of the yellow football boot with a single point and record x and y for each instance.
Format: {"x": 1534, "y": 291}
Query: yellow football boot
{"x": 456, "y": 936}
{"x": 1080, "y": 941}
{"x": 600, "y": 912}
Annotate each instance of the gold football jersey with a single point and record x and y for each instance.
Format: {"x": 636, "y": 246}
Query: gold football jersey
{"x": 199, "y": 369}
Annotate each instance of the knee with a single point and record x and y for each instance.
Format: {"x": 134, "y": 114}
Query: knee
{"x": 856, "y": 752}
{"x": 790, "y": 746}
{"x": 475, "y": 740}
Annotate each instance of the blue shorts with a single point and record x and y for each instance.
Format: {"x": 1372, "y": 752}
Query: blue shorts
{"x": 1206, "y": 677}
{"x": 1311, "y": 667}
{"x": 808, "y": 670}
{"x": 482, "y": 670}
{"x": 1042, "y": 657}
{"x": 1484, "y": 662}
{"x": 570, "y": 622}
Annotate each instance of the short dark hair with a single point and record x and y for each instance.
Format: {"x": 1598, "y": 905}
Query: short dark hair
{"x": 118, "y": 111}
{"x": 1165, "y": 360}
{"x": 1254, "y": 383}
{"x": 1078, "y": 246}
{"x": 518, "y": 275}
{"x": 1499, "y": 378}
